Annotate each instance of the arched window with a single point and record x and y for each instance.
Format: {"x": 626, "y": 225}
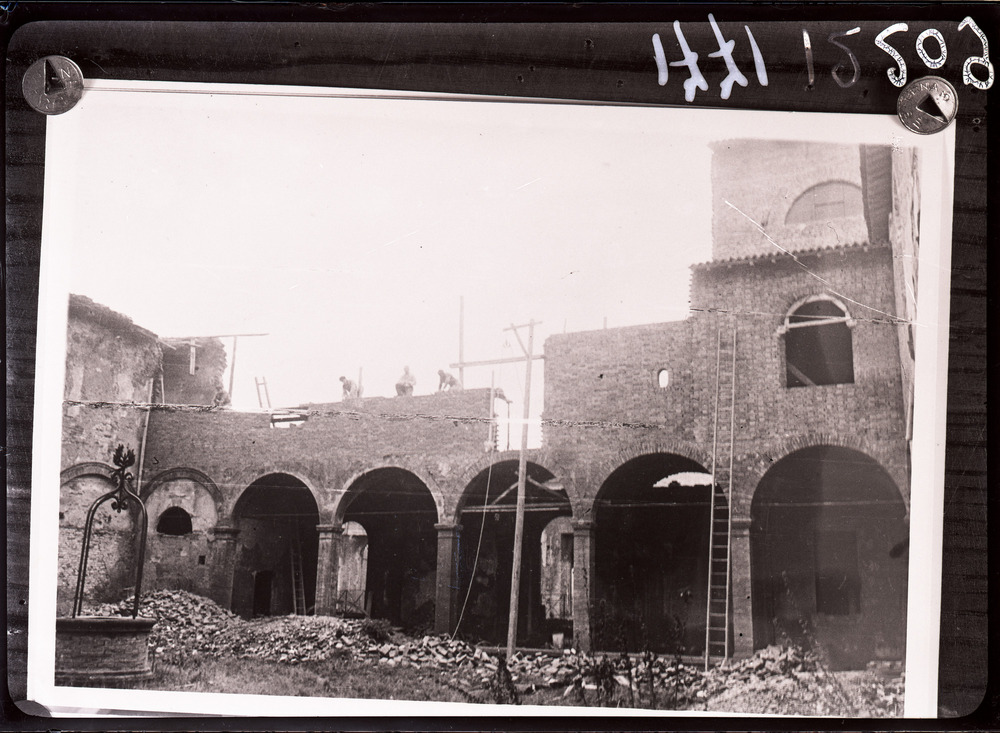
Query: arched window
{"x": 825, "y": 201}
{"x": 818, "y": 344}
{"x": 174, "y": 521}
{"x": 663, "y": 378}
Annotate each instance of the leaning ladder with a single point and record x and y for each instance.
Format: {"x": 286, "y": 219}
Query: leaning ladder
{"x": 298, "y": 582}
{"x": 720, "y": 536}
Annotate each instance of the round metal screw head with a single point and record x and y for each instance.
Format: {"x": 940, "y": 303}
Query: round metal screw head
{"x": 927, "y": 105}
{"x": 53, "y": 85}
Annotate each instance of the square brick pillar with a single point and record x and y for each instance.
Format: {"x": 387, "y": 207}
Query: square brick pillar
{"x": 222, "y": 556}
{"x": 741, "y": 589}
{"x": 447, "y": 581}
{"x": 583, "y": 574}
{"x": 327, "y": 568}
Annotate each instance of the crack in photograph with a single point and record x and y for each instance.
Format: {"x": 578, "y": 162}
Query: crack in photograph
{"x": 401, "y": 397}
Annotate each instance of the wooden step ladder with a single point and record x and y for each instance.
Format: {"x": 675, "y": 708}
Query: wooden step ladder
{"x": 298, "y": 581}
{"x": 720, "y": 535}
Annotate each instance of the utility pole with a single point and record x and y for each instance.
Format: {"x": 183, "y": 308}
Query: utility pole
{"x": 522, "y": 467}
{"x": 522, "y": 473}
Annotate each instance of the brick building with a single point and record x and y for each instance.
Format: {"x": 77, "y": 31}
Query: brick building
{"x": 788, "y": 390}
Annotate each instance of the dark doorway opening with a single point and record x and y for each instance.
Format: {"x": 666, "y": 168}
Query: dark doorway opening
{"x": 262, "y": 582}
{"x": 826, "y": 522}
{"x": 651, "y": 536}
{"x": 276, "y": 517}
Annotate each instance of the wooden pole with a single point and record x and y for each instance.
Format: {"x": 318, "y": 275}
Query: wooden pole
{"x": 522, "y": 473}
{"x": 232, "y": 370}
{"x": 461, "y": 341}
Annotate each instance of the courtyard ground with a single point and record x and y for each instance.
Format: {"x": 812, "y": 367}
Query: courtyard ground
{"x": 196, "y": 646}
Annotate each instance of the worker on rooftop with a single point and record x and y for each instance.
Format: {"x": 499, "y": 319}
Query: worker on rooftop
{"x": 350, "y": 388}
{"x": 406, "y": 383}
{"x": 447, "y": 381}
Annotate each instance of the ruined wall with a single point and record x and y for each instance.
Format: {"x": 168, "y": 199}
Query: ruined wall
{"x": 763, "y": 179}
{"x": 108, "y": 360}
{"x": 180, "y": 386}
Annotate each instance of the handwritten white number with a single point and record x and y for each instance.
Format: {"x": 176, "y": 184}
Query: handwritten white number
{"x": 735, "y": 76}
{"x": 983, "y": 60}
{"x": 662, "y": 72}
{"x": 835, "y": 72}
{"x": 696, "y": 80}
{"x": 897, "y": 78}
{"x": 758, "y": 59}
{"x": 922, "y": 52}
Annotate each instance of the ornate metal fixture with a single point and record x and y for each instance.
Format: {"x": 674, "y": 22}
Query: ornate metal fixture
{"x": 121, "y": 496}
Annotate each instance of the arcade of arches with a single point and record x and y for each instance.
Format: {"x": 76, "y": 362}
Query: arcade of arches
{"x": 822, "y": 555}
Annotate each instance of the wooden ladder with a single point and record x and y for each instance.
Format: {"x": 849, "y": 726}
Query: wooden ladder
{"x": 298, "y": 582}
{"x": 720, "y": 536}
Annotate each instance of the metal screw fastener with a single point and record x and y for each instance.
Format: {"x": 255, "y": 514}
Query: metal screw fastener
{"x": 53, "y": 85}
{"x": 927, "y": 105}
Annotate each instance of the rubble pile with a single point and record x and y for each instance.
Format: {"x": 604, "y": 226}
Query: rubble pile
{"x": 185, "y": 623}
{"x": 788, "y": 680}
{"x": 774, "y": 680}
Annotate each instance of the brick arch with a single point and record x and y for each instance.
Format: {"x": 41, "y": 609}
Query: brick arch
{"x": 753, "y": 471}
{"x": 584, "y": 510}
{"x": 191, "y": 474}
{"x": 539, "y": 456}
{"x": 246, "y": 478}
{"x": 339, "y": 507}
{"x": 89, "y": 468}
{"x": 684, "y": 449}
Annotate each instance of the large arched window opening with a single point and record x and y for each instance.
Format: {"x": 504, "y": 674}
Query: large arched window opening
{"x": 174, "y": 521}
{"x": 827, "y": 525}
{"x": 819, "y": 346}
{"x": 825, "y": 201}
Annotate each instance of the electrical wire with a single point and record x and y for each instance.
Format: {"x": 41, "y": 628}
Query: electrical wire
{"x": 479, "y": 543}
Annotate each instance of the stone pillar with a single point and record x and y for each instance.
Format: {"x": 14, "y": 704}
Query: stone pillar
{"x": 447, "y": 581}
{"x": 327, "y": 568}
{"x": 583, "y": 582}
{"x": 223, "y": 560}
{"x": 741, "y": 590}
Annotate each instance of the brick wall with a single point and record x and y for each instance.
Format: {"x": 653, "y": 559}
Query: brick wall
{"x": 603, "y": 404}
{"x": 180, "y": 561}
{"x": 436, "y": 436}
{"x": 763, "y": 179}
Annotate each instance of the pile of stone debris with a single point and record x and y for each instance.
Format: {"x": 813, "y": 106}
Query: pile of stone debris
{"x": 774, "y": 680}
{"x": 787, "y": 680}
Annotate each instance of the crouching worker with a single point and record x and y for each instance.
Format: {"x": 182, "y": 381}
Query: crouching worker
{"x": 447, "y": 381}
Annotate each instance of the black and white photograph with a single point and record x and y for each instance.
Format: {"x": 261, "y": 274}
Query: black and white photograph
{"x": 372, "y": 399}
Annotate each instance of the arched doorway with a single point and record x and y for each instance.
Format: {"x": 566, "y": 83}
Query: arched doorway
{"x": 398, "y": 513}
{"x": 829, "y": 567}
{"x": 488, "y": 513}
{"x": 651, "y": 534}
{"x": 277, "y": 547}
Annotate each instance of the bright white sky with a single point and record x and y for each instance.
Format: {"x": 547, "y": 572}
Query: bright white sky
{"x": 347, "y": 229}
